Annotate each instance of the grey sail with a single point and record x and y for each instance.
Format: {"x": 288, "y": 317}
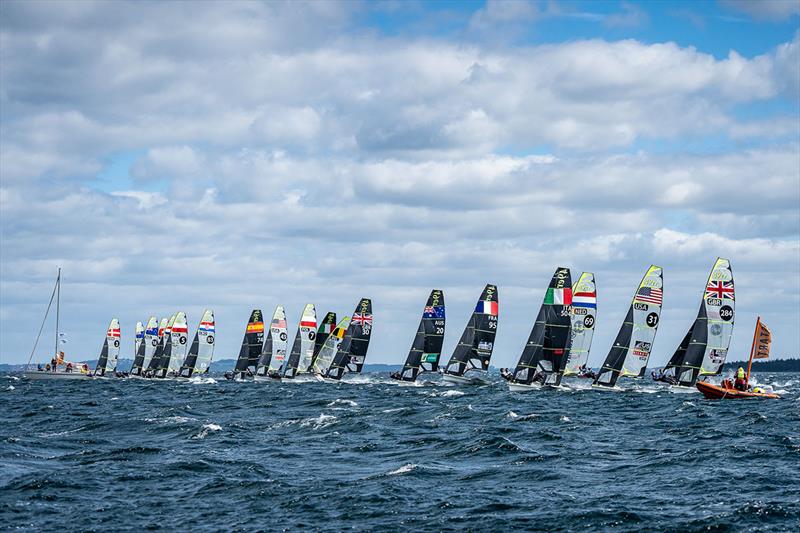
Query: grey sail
{"x": 273, "y": 352}
{"x": 474, "y": 349}
{"x": 202, "y": 349}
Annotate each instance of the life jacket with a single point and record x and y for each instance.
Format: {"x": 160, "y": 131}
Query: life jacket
{"x": 740, "y": 373}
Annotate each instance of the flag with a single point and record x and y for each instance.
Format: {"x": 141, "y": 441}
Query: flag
{"x": 763, "y": 342}
{"x": 558, "y": 296}
{"x": 433, "y": 311}
{"x": 362, "y": 319}
{"x": 649, "y": 295}
{"x": 486, "y": 307}
{"x": 720, "y": 289}
{"x": 585, "y": 299}
{"x": 308, "y": 324}
{"x": 63, "y": 341}
{"x": 255, "y": 327}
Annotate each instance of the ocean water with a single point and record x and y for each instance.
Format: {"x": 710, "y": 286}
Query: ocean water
{"x": 374, "y": 455}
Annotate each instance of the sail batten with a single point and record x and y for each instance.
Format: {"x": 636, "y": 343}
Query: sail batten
{"x": 426, "y": 349}
{"x": 633, "y": 345}
{"x": 474, "y": 348}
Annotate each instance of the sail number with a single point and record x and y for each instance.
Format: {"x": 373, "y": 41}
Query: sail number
{"x": 652, "y": 320}
{"x": 588, "y": 322}
{"x": 440, "y": 331}
{"x": 726, "y": 313}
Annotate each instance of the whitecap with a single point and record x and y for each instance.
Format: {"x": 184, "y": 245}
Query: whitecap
{"x": 340, "y": 401}
{"x": 114, "y": 398}
{"x": 206, "y": 429}
{"x": 565, "y": 419}
{"x": 319, "y": 422}
{"x": 202, "y": 381}
{"x": 405, "y": 469}
{"x": 512, "y": 414}
{"x": 10, "y": 387}
{"x": 452, "y": 393}
{"x": 171, "y": 420}
{"x": 395, "y": 410}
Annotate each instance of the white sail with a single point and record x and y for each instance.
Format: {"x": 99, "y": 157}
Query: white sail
{"x": 584, "y": 314}
{"x": 646, "y": 315}
{"x": 150, "y": 341}
{"x": 308, "y": 332}
{"x": 206, "y": 333}
{"x": 139, "y": 338}
{"x": 180, "y": 343}
{"x": 280, "y": 340}
{"x": 328, "y": 351}
{"x": 720, "y": 303}
{"x": 112, "y": 340}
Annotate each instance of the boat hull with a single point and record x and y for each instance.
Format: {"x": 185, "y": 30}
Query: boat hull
{"x": 55, "y": 375}
{"x": 464, "y": 380}
{"x": 266, "y": 379}
{"x": 715, "y": 392}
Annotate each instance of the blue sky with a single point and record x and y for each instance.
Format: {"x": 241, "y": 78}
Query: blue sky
{"x": 177, "y": 156}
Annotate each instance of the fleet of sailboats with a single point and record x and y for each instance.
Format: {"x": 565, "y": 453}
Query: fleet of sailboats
{"x": 558, "y": 346}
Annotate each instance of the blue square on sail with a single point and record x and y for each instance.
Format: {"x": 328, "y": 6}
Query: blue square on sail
{"x": 436, "y": 311}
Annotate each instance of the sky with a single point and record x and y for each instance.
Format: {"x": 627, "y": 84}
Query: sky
{"x": 237, "y": 155}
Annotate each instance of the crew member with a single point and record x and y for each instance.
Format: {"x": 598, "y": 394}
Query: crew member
{"x": 740, "y": 383}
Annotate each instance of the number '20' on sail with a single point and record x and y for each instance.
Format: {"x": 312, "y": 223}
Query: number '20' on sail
{"x": 474, "y": 348}
{"x": 545, "y": 355}
{"x": 427, "y": 346}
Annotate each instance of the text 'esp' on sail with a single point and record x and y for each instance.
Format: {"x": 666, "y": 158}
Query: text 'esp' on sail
{"x": 427, "y": 346}
{"x": 303, "y": 348}
{"x": 584, "y": 316}
{"x": 202, "y": 349}
{"x": 474, "y": 348}
{"x": 109, "y": 354}
{"x": 545, "y": 354}
{"x": 353, "y": 349}
{"x": 633, "y": 345}
{"x": 273, "y": 352}
{"x": 705, "y": 346}
{"x": 323, "y": 360}
{"x": 251, "y": 345}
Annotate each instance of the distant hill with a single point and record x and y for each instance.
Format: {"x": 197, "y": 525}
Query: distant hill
{"x": 775, "y": 365}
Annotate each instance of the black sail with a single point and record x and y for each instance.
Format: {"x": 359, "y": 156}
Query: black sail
{"x": 166, "y": 355}
{"x": 289, "y": 368}
{"x": 353, "y": 350}
{"x": 262, "y": 365}
{"x": 251, "y": 344}
{"x": 474, "y": 349}
{"x": 689, "y": 369}
{"x": 136, "y": 369}
{"x": 427, "y": 346}
{"x": 677, "y": 358}
{"x": 155, "y": 361}
{"x": 547, "y": 350}
{"x": 612, "y": 366}
{"x": 326, "y": 327}
{"x": 187, "y": 369}
{"x": 100, "y": 369}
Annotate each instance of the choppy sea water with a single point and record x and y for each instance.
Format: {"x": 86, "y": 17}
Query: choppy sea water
{"x": 371, "y": 454}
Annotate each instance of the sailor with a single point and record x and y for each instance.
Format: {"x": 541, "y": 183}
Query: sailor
{"x": 395, "y": 375}
{"x": 84, "y": 369}
{"x": 53, "y": 364}
{"x": 740, "y": 380}
{"x": 39, "y": 367}
{"x": 47, "y": 367}
{"x": 69, "y": 367}
{"x": 506, "y": 374}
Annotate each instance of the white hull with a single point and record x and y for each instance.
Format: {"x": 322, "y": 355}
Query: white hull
{"x": 680, "y": 389}
{"x": 266, "y": 379}
{"x": 464, "y": 380}
{"x": 607, "y": 389}
{"x": 55, "y": 375}
{"x": 520, "y": 387}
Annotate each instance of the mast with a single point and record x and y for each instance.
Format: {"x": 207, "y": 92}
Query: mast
{"x": 58, "y": 308}
{"x": 752, "y": 351}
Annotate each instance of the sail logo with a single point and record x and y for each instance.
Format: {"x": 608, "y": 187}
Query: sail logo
{"x": 485, "y": 345}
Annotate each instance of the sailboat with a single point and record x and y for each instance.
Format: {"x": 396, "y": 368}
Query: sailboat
{"x": 273, "y": 353}
{"x": 166, "y": 353}
{"x": 427, "y": 346}
{"x": 251, "y": 348}
{"x": 545, "y": 355}
{"x": 138, "y": 341}
{"x": 705, "y": 346}
{"x": 202, "y": 350}
{"x": 324, "y": 358}
{"x": 352, "y": 351}
{"x": 326, "y": 327}
{"x": 54, "y": 372}
{"x": 157, "y": 342}
{"x": 762, "y": 341}
{"x": 145, "y": 348}
{"x": 302, "y": 353}
{"x": 474, "y": 349}
{"x": 109, "y": 354}
{"x": 631, "y": 350}
{"x": 584, "y": 316}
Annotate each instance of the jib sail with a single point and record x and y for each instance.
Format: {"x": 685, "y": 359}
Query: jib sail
{"x": 705, "y": 347}
{"x": 427, "y": 346}
{"x": 109, "y": 354}
{"x": 303, "y": 348}
{"x": 631, "y": 350}
{"x": 202, "y": 350}
{"x": 474, "y": 349}
{"x": 584, "y": 316}
{"x": 273, "y": 353}
{"x": 251, "y": 344}
{"x": 545, "y": 354}
{"x": 353, "y": 350}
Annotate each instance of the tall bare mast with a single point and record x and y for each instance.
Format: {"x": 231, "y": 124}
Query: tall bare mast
{"x": 58, "y": 308}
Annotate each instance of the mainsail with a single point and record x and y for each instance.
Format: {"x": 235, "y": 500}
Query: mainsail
{"x": 251, "y": 345}
{"x": 273, "y": 353}
{"x": 353, "y": 349}
{"x": 326, "y": 327}
{"x": 545, "y": 354}
{"x": 166, "y": 353}
{"x": 138, "y": 350}
{"x": 475, "y": 347}
{"x": 631, "y": 350}
{"x": 107, "y": 362}
{"x": 303, "y": 348}
{"x": 202, "y": 349}
{"x": 427, "y": 346}
{"x": 180, "y": 343}
{"x": 158, "y": 347}
{"x": 705, "y": 347}
{"x": 584, "y": 315}
{"x": 322, "y": 362}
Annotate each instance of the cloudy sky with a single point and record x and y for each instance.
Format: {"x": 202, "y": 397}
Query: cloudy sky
{"x": 177, "y": 156}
